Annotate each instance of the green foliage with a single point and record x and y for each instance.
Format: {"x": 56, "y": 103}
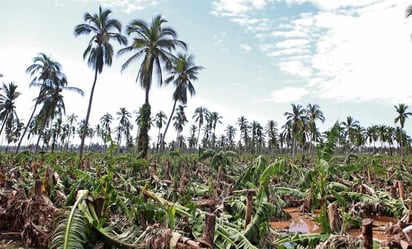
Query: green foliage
{"x": 71, "y": 231}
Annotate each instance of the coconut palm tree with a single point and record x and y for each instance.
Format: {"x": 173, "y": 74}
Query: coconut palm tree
{"x": 160, "y": 120}
{"x": 45, "y": 72}
{"x": 400, "y": 118}
{"x": 153, "y": 44}
{"x": 192, "y": 136}
{"x": 313, "y": 114}
{"x": 8, "y": 113}
{"x": 230, "y": 135}
{"x": 244, "y": 129}
{"x": 106, "y": 121}
{"x": 13, "y": 132}
{"x": 201, "y": 115}
{"x": 295, "y": 120}
{"x": 350, "y": 127}
{"x": 372, "y": 134}
{"x": 99, "y": 51}
{"x": 271, "y": 132}
{"x": 53, "y": 106}
{"x": 215, "y": 119}
{"x": 125, "y": 126}
{"x": 182, "y": 73}
{"x": 71, "y": 122}
{"x": 180, "y": 120}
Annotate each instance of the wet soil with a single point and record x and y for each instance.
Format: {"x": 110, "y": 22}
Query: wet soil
{"x": 304, "y": 223}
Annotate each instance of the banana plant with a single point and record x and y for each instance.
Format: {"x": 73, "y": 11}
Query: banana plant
{"x": 82, "y": 224}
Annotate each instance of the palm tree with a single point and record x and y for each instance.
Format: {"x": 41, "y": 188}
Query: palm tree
{"x": 160, "y": 120}
{"x": 201, "y": 114}
{"x": 243, "y": 127}
{"x": 215, "y": 119}
{"x": 314, "y": 113}
{"x": 230, "y": 135}
{"x": 81, "y": 126}
{"x": 71, "y": 121}
{"x": 180, "y": 120}
{"x": 373, "y": 134}
{"x": 295, "y": 120}
{"x": 13, "y": 132}
{"x": 125, "y": 126}
{"x": 106, "y": 121}
{"x": 45, "y": 72}
{"x": 154, "y": 44}
{"x": 8, "y": 113}
{"x": 271, "y": 131}
{"x": 99, "y": 50}
{"x": 53, "y": 104}
{"x": 182, "y": 73}
{"x": 402, "y": 116}
{"x": 350, "y": 127}
{"x": 192, "y": 136}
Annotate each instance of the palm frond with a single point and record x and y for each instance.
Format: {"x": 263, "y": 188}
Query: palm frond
{"x": 71, "y": 230}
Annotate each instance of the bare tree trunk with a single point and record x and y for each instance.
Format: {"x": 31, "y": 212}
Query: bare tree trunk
{"x": 89, "y": 108}
{"x": 167, "y": 127}
{"x": 27, "y": 126}
{"x": 367, "y": 234}
{"x": 209, "y": 231}
{"x": 249, "y": 201}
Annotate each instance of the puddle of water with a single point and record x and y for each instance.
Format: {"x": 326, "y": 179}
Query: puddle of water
{"x": 379, "y": 224}
{"x": 299, "y": 223}
{"x": 302, "y": 223}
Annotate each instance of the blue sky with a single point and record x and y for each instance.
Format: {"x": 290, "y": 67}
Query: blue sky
{"x": 350, "y": 57}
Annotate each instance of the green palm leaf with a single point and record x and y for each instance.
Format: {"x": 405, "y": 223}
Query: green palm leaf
{"x": 71, "y": 230}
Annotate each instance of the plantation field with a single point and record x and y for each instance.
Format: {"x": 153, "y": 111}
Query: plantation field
{"x": 230, "y": 200}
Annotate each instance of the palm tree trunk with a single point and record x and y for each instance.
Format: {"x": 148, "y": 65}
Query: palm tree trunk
{"x": 198, "y": 136}
{"x": 167, "y": 126}
{"x": 38, "y": 142}
{"x": 87, "y": 116}
{"x": 4, "y": 122}
{"x": 143, "y": 140}
{"x": 40, "y": 135}
{"x": 27, "y": 126}
{"x": 401, "y": 141}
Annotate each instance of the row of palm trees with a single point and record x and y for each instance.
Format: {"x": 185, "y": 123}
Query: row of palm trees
{"x": 300, "y": 131}
{"x": 48, "y": 76}
{"x": 298, "y": 134}
{"x": 151, "y": 43}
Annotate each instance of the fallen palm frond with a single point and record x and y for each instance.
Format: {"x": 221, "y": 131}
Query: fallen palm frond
{"x": 71, "y": 230}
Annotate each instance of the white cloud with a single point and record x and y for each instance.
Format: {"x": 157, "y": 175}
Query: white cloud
{"x": 288, "y": 94}
{"x": 296, "y": 68}
{"x": 233, "y": 8}
{"x": 347, "y": 50}
{"x": 245, "y": 47}
{"x": 287, "y": 52}
{"x": 364, "y": 57}
{"x": 127, "y": 5}
{"x": 288, "y": 34}
{"x": 290, "y": 43}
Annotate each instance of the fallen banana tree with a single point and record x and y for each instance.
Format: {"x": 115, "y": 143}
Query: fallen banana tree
{"x": 73, "y": 228}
